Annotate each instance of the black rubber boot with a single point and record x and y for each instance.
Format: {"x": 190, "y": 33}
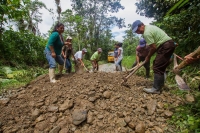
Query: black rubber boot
{"x": 157, "y": 85}
{"x": 147, "y": 73}
{"x": 69, "y": 70}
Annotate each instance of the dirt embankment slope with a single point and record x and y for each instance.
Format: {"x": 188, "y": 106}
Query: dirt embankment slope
{"x": 87, "y": 103}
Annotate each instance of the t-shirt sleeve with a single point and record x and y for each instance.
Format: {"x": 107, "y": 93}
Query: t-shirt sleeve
{"x": 54, "y": 36}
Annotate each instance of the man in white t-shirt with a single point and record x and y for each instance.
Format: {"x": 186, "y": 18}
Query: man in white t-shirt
{"x": 79, "y": 58}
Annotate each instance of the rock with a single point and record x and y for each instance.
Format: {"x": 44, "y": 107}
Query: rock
{"x": 90, "y": 117}
{"x": 52, "y": 108}
{"x": 66, "y": 105}
{"x": 168, "y": 113}
{"x": 107, "y": 94}
{"x": 35, "y": 114}
{"x": 140, "y": 128}
{"x": 189, "y": 98}
{"x": 131, "y": 125}
{"x": 121, "y": 122}
{"x": 40, "y": 118}
{"x": 127, "y": 119}
{"x": 160, "y": 105}
{"x": 64, "y": 130}
{"x": 55, "y": 130}
{"x": 100, "y": 117}
{"x": 4, "y": 101}
{"x": 41, "y": 126}
{"x": 120, "y": 114}
{"x": 158, "y": 129}
{"x": 53, "y": 119}
{"x": 78, "y": 116}
{"x": 151, "y": 106}
{"x": 92, "y": 99}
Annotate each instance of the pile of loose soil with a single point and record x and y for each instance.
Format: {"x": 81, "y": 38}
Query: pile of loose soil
{"x": 86, "y": 103}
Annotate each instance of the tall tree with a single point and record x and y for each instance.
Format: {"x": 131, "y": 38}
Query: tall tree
{"x": 32, "y": 18}
{"x": 179, "y": 18}
{"x": 58, "y": 9}
{"x": 95, "y": 14}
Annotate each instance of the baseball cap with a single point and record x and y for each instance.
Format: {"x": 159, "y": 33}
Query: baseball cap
{"x": 135, "y": 25}
{"x": 99, "y": 49}
{"x": 69, "y": 37}
{"x": 142, "y": 42}
{"x": 84, "y": 49}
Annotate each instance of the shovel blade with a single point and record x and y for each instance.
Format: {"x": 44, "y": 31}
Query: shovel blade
{"x": 181, "y": 83}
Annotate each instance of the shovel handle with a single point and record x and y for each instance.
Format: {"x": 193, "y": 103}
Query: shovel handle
{"x": 135, "y": 69}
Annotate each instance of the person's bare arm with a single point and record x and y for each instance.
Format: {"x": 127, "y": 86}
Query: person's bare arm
{"x": 137, "y": 59}
{"x": 119, "y": 52}
{"x": 53, "y": 54}
{"x": 189, "y": 59}
{"x": 151, "y": 52}
{"x": 82, "y": 64}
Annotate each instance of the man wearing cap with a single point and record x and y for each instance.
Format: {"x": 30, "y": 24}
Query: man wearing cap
{"x": 160, "y": 43}
{"x": 67, "y": 52}
{"x": 95, "y": 59}
{"x": 142, "y": 51}
{"x": 79, "y": 58}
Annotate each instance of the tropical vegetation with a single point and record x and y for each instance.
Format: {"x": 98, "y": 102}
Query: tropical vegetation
{"x": 88, "y": 22}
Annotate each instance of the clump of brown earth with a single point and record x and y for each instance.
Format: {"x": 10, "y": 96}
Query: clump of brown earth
{"x": 87, "y": 103}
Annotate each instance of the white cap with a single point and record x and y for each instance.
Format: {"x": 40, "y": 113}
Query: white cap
{"x": 69, "y": 38}
{"x": 99, "y": 49}
{"x": 84, "y": 49}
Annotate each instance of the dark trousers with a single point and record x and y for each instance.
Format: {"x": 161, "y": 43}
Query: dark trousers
{"x": 162, "y": 60}
{"x": 146, "y": 65}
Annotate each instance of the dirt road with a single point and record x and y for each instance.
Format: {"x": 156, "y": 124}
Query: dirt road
{"x": 109, "y": 67}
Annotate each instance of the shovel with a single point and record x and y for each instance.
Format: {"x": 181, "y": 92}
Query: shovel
{"x": 130, "y": 74}
{"x": 86, "y": 68}
{"x": 179, "y": 80}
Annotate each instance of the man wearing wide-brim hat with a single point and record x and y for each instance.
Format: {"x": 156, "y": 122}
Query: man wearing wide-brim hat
{"x": 160, "y": 43}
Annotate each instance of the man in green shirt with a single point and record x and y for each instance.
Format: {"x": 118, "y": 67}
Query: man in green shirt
{"x": 95, "y": 58}
{"x": 160, "y": 43}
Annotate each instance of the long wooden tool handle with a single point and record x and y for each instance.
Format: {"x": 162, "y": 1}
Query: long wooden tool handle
{"x": 129, "y": 70}
{"x": 85, "y": 67}
{"x": 140, "y": 65}
{"x": 193, "y": 54}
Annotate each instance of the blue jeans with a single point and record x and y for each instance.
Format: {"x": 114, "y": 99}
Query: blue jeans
{"x": 68, "y": 64}
{"x": 118, "y": 64}
{"x": 52, "y": 61}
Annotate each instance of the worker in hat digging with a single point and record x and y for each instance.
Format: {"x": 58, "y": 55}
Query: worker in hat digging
{"x": 79, "y": 60}
{"x": 142, "y": 51}
{"x": 67, "y": 52}
{"x": 95, "y": 59}
{"x": 160, "y": 43}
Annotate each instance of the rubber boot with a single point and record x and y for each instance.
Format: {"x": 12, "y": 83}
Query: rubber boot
{"x": 147, "y": 74}
{"x": 70, "y": 70}
{"x": 52, "y": 75}
{"x": 157, "y": 85}
{"x": 119, "y": 68}
{"x": 60, "y": 69}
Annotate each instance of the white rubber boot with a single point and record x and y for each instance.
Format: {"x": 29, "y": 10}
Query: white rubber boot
{"x": 52, "y": 75}
{"x": 60, "y": 69}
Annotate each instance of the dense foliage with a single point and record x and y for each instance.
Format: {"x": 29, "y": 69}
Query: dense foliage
{"x": 180, "y": 20}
